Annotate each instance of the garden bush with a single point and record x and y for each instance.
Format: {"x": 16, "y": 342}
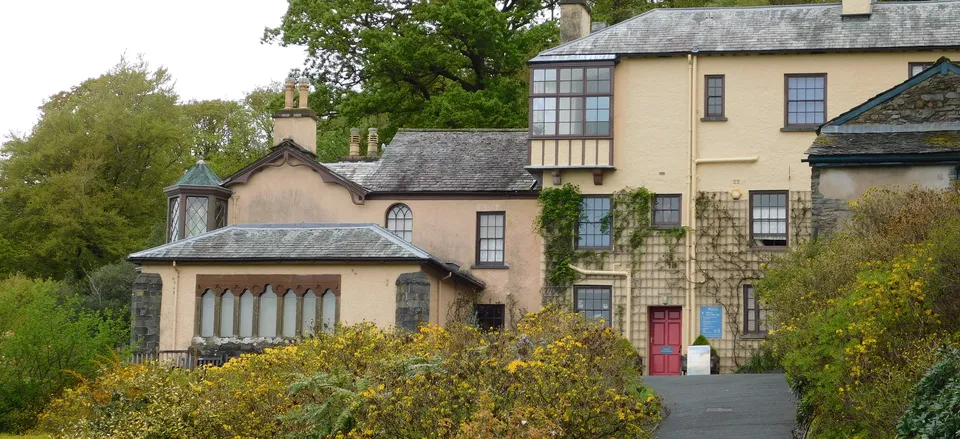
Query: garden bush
{"x": 934, "y": 411}
{"x": 556, "y": 376}
{"x": 859, "y": 317}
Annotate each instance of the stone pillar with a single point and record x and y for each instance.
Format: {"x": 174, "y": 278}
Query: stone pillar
{"x": 413, "y": 300}
{"x": 828, "y": 213}
{"x": 145, "y": 312}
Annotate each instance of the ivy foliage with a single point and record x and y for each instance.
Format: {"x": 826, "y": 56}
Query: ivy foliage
{"x": 560, "y": 211}
{"x": 934, "y": 411}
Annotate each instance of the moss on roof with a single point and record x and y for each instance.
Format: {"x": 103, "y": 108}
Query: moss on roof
{"x": 199, "y": 175}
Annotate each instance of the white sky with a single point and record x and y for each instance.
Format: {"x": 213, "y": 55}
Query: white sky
{"x": 211, "y": 47}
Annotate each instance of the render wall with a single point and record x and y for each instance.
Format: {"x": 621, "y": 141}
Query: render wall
{"x": 368, "y": 293}
{"x": 446, "y": 228}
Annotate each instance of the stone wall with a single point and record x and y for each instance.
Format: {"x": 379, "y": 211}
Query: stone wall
{"x": 827, "y": 212}
{"x": 935, "y": 100}
{"x": 413, "y": 300}
{"x": 145, "y": 312}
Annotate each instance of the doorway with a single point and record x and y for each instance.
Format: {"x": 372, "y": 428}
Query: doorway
{"x": 665, "y": 336}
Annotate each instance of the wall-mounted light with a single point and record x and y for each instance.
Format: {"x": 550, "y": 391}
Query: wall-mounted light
{"x": 666, "y": 299}
{"x": 735, "y": 194}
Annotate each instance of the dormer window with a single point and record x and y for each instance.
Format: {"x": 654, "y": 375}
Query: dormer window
{"x": 196, "y": 204}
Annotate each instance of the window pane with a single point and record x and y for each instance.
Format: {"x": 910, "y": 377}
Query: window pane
{"x": 806, "y": 100}
{"x": 226, "y": 314}
{"x": 207, "y": 304}
{"x": 769, "y": 218}
{"x": 267, "y": 325}
{"x": 400, "y": 221}
{"x": 491, "y": 238}
{"x": 290, "y": 314}
{"x": 174, "y": 213}
{"x": 594, "y": 302}
{"x": 595, "y": 223}
{"x": 329, "y": 311}
{"x": 246, "y": 314}
{"x": 666, "y": 210}
{"x": 309, "y": 312}
{"x": 490, "y": 317}
{"x": 196, "y": 216}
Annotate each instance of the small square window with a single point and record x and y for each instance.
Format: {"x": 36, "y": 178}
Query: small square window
{"x": 915, "y": 68}
{"x": 666, "y": 211}
{"x": 490, "y": 317}
{"x": 806, "y": 100}
{"x": 594, "y": 302}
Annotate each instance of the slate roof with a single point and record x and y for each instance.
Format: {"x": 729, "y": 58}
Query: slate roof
{"x": 199, "y": 175}
{"x": 788, "y": 28}
{"x": 446, "y": 161}
{"x": 313, "y": 242}
{"x": 922, "y": 142}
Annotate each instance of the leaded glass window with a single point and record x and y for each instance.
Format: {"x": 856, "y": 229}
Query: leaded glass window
{"x": 174, "y": 213}
{"x": 400, "y": 221}
{"x": 594, "y": 302}
{"x": 196, "y": 216}
{"x": 768, "y": 218}
{"x": 220, "y": 213}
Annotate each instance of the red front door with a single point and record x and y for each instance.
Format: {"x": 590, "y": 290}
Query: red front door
{"x": 665, "y": 340}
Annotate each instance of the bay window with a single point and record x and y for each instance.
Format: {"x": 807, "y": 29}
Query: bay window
{"x": 571, "y": 102}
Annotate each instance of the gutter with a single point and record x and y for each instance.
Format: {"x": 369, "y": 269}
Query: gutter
{"x": 751, "y": 159}
{"x": 629, "y": 288}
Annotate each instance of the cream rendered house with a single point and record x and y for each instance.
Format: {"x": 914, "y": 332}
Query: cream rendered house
{"x": 438, "y": 226}
{"x": 712, "y": 109}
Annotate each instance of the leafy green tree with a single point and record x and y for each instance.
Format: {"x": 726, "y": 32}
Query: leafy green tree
{"x": 84, "y": 187}
{"x": 48, "y": 341}
{"x": 107, "y": 289}
{"x": 446, "y": 64}
{"x": 227, "y": 134}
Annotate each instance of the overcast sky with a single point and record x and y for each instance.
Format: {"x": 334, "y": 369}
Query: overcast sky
{"x": 211, "y": 47}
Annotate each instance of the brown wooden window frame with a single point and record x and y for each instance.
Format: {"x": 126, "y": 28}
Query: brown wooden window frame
{"x": 490, "y": 316}
{"x": 582, "y": 310}
{"x": 481, "y": 238}
{"x": 923, "y": 66}
{"x": 574, "y": 100}
{"x": 708, "y": 115}
{"x": 787, "y": 126}
{"x": 753, "y": 198}
{"x": 609, "y": 225}
{"x": 758, "y": 313}
{"x": 679, "y": 210}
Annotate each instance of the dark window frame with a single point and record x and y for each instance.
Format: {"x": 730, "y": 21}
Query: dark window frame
{"x": 760, "y": 328}
{"x": 576, "y": 300}
{"x": 492, "y": 213}
{"x": 584, "y": 94}
{"x": 786, "y": 101}
{"x": 786, "y": 229}
{"x": 923, "y": 65}
{"x": 653, "y": 217}
{"x": 706, "y": 97}
{"x": 609, "y": 231}
{"x": 488, "y": 321}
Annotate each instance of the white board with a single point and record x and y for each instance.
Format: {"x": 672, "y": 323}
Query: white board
{"x": 698, "y": 360}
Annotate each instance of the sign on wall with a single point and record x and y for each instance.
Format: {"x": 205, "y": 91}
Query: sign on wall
{"x": 711, "y": 321}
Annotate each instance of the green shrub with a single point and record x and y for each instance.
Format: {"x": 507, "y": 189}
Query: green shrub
{"x": 47, "y": 342}
{"x": 556, "y": 376}
{"x": 702, "y": 341}
{"x": 934, "y": 411}
{"x": 761, "y": 360}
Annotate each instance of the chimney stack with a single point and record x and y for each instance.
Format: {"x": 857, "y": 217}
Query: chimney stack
{"x": 857, "y": 8}
{"x": 373, "y": 139}
{"x": 354, "y": 143}
{"x": 297, "y": 124}
{"x": 574, "y": 20}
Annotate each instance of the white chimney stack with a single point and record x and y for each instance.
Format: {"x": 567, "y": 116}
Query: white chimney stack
{"x": 574, "y": 20}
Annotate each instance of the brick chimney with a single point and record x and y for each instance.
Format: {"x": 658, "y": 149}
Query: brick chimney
{"x": 857, "y": 8}
{"x": 373, "y": 140}
{"x": 354, "y": 143}
{"x": 298, "y": 124}
{"x": 574, "y": 20}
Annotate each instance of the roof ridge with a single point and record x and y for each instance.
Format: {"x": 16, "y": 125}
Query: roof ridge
{"x": 390, "y": 236}
{"x": 460, "y": 130}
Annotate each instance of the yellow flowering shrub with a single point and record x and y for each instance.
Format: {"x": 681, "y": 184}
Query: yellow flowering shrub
{"x": 557, "y": 376}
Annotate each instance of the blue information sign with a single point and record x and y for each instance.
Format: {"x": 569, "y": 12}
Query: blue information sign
{"x": 666, "y": 350}
{"x": 711, "y": 323}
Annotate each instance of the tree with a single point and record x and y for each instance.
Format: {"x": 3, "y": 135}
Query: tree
{"x": 444, "y": 64}
{"x": 84, "y": 187}
{"x": 227, "y": 134}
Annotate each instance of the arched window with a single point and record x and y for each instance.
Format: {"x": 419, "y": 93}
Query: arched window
{"x": 400, "y": 221}
{"x": 268, "y": 314}
{"x": 208, "y": 304}
{"x": 246, "y": 314}
{"x": 329, "y": 311}
{"x": 309, "y": 312}
{"x": 290, "y": 314}
{"x": 226, "y": 314}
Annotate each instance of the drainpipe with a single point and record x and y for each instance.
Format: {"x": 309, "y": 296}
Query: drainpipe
{"x": 692, "y": 204}
{"x": 176, "y": 284}
{"x": 439, "y": 292}
{"x": 628, "y": 318}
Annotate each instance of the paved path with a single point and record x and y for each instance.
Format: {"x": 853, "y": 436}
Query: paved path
{"x": 741, "y": 406}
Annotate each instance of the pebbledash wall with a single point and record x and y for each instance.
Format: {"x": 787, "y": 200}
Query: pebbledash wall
{"x": 651, "y": 136}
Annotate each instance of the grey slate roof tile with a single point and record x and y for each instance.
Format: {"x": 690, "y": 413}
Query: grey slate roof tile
{"x": 446, "y": 161}
{"x": 296, "y": 242}
{"x": 789, "y": 28}
{"x": 921, "y": 142}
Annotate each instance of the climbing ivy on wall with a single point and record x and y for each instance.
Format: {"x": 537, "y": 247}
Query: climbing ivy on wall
{"x": 557, "y": 223}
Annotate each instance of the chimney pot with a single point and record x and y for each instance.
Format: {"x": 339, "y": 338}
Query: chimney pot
{"x": 856, "y": 8}
{"x": 373, "y": 139}
{"x": 574, "y": 20}
{"x": 304, "y": 90}
{"x": 288, "y": 93}
{"x": 598, "y": 26}
{"x": 354, "y": 142}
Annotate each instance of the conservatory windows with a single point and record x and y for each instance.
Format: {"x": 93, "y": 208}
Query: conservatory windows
{"x": 265, "y": 314}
